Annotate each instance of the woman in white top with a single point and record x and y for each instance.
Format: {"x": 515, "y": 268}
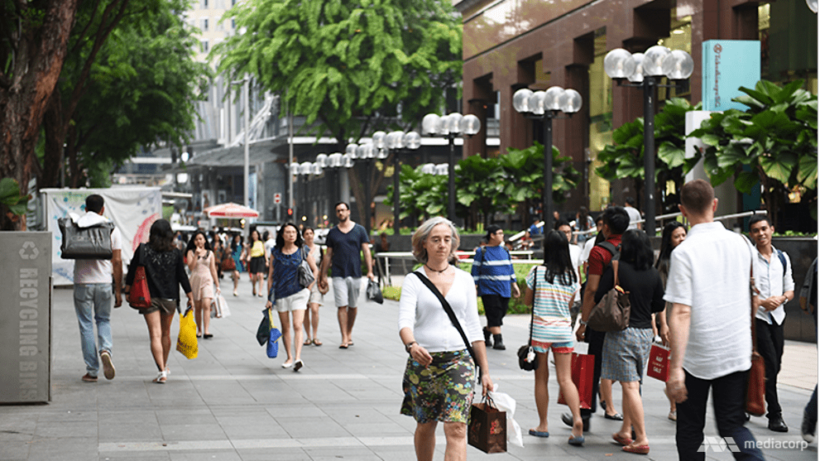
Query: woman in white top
{"x": 440, "y": 374}
{"x": 315, "y": 300}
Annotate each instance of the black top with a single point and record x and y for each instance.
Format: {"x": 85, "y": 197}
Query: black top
{"x": 347, "y": 248}
{"x": 645, "y": 292}
{"x": 164, "y": 271}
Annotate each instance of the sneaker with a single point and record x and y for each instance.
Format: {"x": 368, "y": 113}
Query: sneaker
{"x": 108, "y": 365}
{"x": 89, "y": 379}
{"x": 807, "y": 428}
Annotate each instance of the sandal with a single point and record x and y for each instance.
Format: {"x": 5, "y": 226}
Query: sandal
{"x": 162, "y": 376}
{"x": 307, "y": 342}
{"x": 316, "y": 342}
{"x": 637, "y": 449}
{"x": 623, "y": 441}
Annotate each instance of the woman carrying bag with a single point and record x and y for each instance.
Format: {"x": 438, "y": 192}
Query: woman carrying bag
{"x": 203, "y": 277}
{"x": 626, "y": 352}
{"x": 165, "y": 273}
{"x": 551, "y": 290}
{"x": 440, "y": 373}
{"x": 290, "y": 297}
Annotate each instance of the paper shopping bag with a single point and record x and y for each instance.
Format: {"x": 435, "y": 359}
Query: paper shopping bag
{"x": 186, "y": 342}
{"x": 487, "y": 430}
{"x": 658, "y": 362}
{"x": 583, "y": 367}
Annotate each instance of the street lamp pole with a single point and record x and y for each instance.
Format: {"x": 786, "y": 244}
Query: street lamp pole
{"x": 397, "y": 142}
{"x": 642, "y": 69}
{"x": 544, "y": 106}
{"x": 451, "y": 126}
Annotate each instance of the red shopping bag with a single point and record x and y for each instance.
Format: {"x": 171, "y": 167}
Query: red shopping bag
{"x": 583, "y": 367}
{"x": 658, "y": 363}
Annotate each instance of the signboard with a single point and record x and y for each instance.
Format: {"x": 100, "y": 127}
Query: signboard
{"x": 277, "y": 198}
{"x": 25, "y": 320}
{"x": 728, "y": 65}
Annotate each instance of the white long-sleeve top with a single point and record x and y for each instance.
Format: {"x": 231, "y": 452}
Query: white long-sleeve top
{"x": 422, "y": 312}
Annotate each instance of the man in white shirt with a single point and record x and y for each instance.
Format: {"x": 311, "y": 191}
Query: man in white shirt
{"x": 710, "y": 327}
{"x": 634, "y": 214}
{"x": 92, "y": 295}
{"x": 590, "y": 243}
{"x": 774, "y": 279}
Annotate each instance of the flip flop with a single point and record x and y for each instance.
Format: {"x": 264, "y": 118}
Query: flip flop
{"x": 576, "y": 441}
{"x": 350, "y": 343}
{"x": 307, "y": 342}
{"x": 343, "y": 346}
{"x": 637, "y": 449}
{"x": 623, "y": 441}
{"x": 535, "y": 433}
{"x": 317, "y": 343}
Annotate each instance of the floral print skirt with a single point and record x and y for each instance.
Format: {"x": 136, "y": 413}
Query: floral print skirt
{"x": 442, "y": 391}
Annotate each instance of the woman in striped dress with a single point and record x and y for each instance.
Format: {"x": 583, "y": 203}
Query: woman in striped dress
{"x": 553, "y": 286}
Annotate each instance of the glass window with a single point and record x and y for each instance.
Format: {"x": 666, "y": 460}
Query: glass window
{"x": 205, "y": 25}
{"x": 204, "y": 46}
{"x": 600, "y": 122}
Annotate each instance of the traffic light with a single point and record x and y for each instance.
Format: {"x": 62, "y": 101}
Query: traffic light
{"x": 290, "y": 211}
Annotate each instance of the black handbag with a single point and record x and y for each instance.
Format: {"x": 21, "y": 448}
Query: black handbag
{"x": 524, "y": 351}
{"x": 85, "y": 242}
{"x": 373, "y": 292}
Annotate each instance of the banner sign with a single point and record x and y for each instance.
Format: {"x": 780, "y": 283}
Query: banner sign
{"x": 728, "y": 65}
{"x": 133, "y": 210}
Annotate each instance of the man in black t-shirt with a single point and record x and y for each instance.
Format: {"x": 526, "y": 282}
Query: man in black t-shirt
{"x": 344, "y": 244}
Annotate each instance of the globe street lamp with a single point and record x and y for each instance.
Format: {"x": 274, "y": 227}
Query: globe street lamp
{"x": 545, "y": 106}
{"x": 450, "y": 126}
{"x": 398, "y": 142}
{"x": 367, "y": 152}
{"x": 642, "y": 70}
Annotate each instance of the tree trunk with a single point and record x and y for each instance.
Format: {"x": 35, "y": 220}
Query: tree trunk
{"x": 25, "y": 93}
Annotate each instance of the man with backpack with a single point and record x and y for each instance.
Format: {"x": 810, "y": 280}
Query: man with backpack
{"x": 92, "y": 294}
{"x": 615, "y": 220}
{"x": 495, "y": 281}
{"x": 773, "y": 271}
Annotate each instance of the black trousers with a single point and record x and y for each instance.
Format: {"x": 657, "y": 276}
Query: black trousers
{"x": 730, "y": 405}
{"x": 596, "y": 348}
{"x": 770, "y": 347}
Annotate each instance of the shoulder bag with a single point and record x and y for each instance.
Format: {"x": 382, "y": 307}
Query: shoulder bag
{"x": 612, "y": 312}
{"x": 139, "y": 297}
{"x": 451, "y": 315}
{"x": 304, "y": 272}
{"x": 526, "y": 355}
{"x": 85, "y": 242}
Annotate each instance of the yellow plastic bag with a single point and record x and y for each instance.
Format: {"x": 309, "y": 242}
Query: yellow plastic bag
{"x": 186, "y": 342}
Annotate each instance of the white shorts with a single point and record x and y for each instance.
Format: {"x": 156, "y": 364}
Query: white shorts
{"x": 294, "y": 302}
{"x": 346, "y": 291}
{"x": 315, "y": 296}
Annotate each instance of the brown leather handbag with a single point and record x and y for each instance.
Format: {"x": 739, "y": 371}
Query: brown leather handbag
{"x": 756, "y": 389}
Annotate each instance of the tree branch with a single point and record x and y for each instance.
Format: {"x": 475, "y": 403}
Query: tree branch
{"x": 81, "y": 36}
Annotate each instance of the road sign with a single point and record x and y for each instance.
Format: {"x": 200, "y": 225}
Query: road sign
{"x": 277, "y": 198}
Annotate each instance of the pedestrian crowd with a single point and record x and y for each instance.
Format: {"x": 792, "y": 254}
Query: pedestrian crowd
{"x": 712, "y": 298}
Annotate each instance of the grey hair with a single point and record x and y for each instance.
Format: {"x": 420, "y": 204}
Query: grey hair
{"x": 421, "y": 234}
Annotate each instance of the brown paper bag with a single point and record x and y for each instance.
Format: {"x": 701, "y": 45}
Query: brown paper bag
{"x": 487, "y": 430}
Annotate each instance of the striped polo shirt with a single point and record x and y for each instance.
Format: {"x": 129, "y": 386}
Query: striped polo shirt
{"x": 493, "y": 271}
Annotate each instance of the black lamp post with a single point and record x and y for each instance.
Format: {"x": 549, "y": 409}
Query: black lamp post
{"x": 399, "y": 142}
{"x": 450, "y": 126}
{"x": 642, "y": 69}
{"x": 545, "y": 106}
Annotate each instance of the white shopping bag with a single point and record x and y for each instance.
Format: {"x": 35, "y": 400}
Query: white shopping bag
{"x": 224, "y": 310}
{"x": 506, "y": 403}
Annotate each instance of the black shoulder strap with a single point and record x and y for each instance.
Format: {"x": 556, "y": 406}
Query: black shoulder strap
{"x": 610, "y": 248}
{"x": 450, "y": 314}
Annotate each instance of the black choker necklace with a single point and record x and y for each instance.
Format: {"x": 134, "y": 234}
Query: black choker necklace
{"x": 436, "y": 270}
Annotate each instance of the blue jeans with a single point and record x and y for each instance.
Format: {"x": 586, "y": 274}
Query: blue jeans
{"x": 93, "y": 298}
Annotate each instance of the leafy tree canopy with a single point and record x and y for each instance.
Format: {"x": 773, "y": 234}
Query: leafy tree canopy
{"x": 342, "y": 62}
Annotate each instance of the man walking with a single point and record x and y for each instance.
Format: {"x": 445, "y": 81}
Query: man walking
{"x": 774, "y": 279}
{"x": 615, "y": 223}
{"x": 710, "y": 327}
{"x": 92, "y": 295}
{"x": 344, "y": 244}
{"x": 634, "y": 214}
{"x": 495, "y": 281}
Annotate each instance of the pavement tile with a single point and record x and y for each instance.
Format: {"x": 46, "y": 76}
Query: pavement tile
{"x": 232, "y": 402}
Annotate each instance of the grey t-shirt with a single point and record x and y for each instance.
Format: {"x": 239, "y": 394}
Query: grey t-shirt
{"x": 634, "y": 215}
{"x": 347, "y": 260}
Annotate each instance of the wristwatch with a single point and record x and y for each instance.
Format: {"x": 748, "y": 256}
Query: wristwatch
{"x": 582, "y": 322}
{"x": 409, "y": 346}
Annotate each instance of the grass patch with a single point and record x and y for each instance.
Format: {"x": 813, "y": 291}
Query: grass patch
{"x": 393, "y": 293}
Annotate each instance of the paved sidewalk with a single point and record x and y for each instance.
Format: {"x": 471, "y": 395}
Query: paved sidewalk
{"x": 233, "y": 403}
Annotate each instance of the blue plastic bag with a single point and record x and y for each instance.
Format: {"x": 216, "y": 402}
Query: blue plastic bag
{"x": 273, "y": 338}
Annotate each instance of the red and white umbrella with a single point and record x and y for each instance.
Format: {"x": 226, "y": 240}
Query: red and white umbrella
{"x": 231, "y": 210}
